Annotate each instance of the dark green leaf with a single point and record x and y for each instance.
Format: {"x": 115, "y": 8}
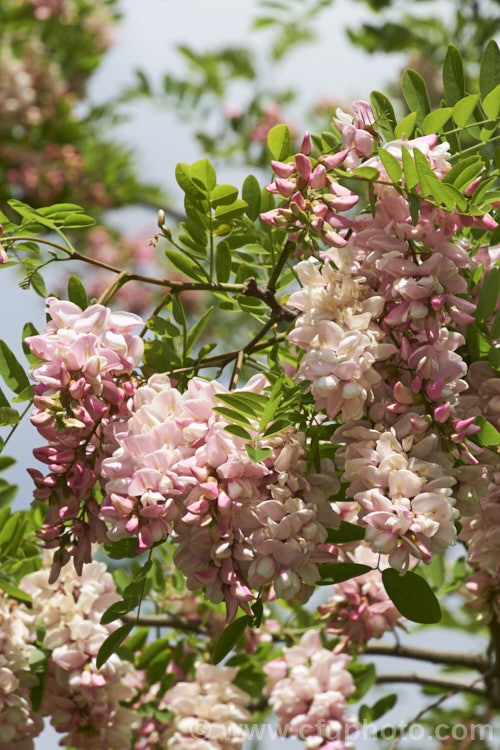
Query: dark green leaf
{"x": 453, "y": 76}
{"x": 364, "y": 676}
{"x": 412, "y": 596}
{"x": 77, "y": 293}
{"x": 185, "y": 265}
{"x": 198, "y": 328}
{"x": 112, "y": 643}
{"x": 8, "y": 416}
{"x": 341, "y": 571}
{"x": 250, "y": 192}
{"x": 223, "y": 263}
{"x": 229, "y": 638}
{"x": 347, "y": 532}
{"x": 463, "y": 109}
{"x": 11, "y": 371}
{"x": 235, "y": 429}
{"x": 117, "y": 610}
{"x": 384, "y": 114}
{"x": 409, "y": 169}
{"x": 415, "y": 94}
{"x": 38, "y": 284}
{"x": 279, "y": 142}
{"x": 488, "y": 297}
{"x": 74, "y": 221}
{"x": 489, "y": 75}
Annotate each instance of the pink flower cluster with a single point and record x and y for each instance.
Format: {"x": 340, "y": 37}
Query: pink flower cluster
{"x": 18, "y": 724}
{"x": 360, "y": 608}
{"x": 237, "y": 525}
{"x": 382, "y": 313}
{"x": 83, "y": 384}
{"x": 404, "y": 496}
{"x": 308, "y": 687}
{"x": 207, "y": 712}
{"x": 83, "y": 702}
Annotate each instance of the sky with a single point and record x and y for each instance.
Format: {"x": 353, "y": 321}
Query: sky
{"x": 147, "y": 39}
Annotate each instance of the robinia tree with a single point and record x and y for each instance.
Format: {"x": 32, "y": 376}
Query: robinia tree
{"x": 194, "y": 494}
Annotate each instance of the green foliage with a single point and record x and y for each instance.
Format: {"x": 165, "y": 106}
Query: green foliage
{"x": 412, "y": 595}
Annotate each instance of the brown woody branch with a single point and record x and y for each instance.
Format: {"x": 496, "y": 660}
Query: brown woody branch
{"x": 470, "y": 661}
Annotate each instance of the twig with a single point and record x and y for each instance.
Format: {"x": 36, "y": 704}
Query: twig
{"x": 471, "y": 661}
{"x": 273, "y": 279}
{"x": 252, "y": 289}
{"x": 433, "y": 680}
{"x": 424, "y": 710}
{"x": 166, "y": 621}
{"x": 236, "y": 371}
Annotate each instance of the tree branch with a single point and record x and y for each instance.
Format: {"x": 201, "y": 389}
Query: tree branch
{"x": 470, "y": 661}
{"x": 448, "y": 683}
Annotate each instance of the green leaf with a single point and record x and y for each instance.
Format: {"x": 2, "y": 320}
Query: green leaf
{"x": 60, "y": 208}
{"x": 279, "y": 142}
{"x": 249, "y": 403}
{"x": 236, "y": 429}
{"x": 183, "y": 177}
{"x": 491, "y": 104}
{"x": 489, "y": 74}
{"x": 222, "y": 194}
{"x": 341, "y": 571}
{"x": 434, "y": 121}
{"x": 414, "y": 206}
{"x": 415, "y": 94}
{"x": 409, "y": 169}
{"x": 29, "y": 330}
{"x": 6, "y": 462}
{"x": 368, "y": 173}
{"x": 250, "y": 192}
{"x": 364, "y": 676}
{"x": 391, "y": 164}
{"x": 229, "y": 638}
{"x": 117, "y": 610}
{"x": 406, "y": 127}
{"x": 231, "y": 211}
{"x": 412, "y": 596}
{"x": 11, "y": 371}
{"x": 112, "y": 643}
{"x": 38, "y": 284}
{"x": 7, "y": 494}
{"x": 223, "y": 263}
{"x": 37, "y": 691}
{"x": 369, "y": 714}
{"x": 8, "y": 416}
{"x": 77, "y": 293}
{"x": 384, "y": 114}
{"x": 14, "y": 592}
{"x": 78, "y": 221}
{"x": 185, "y": 265}
{"x": 203, "y": 175}
{"x": 233, "y": 416}
{"x": 453, "y": 76}
{"x": 151, "y": 651}
{"x": 121, "y": 549}
{"x": 488, "y": 434}
{"x": 495, "y": 327}
{"x": 463, "y": 109}
{"x": 257, "y": 454}
{"x": 347, "y": 532}
{"x": 198, "y": 328}
{"x": 488, "y": 296}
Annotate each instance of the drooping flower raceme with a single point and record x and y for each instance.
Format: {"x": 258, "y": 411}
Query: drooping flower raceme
{"x": 308, "y": 688}
{"x": 83, "y": 384}
{"x": 207, "y": 712}
{"x": 238, "y": 525}
{"x": 83, "y": 702}
{"x": 18, "y": 723}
